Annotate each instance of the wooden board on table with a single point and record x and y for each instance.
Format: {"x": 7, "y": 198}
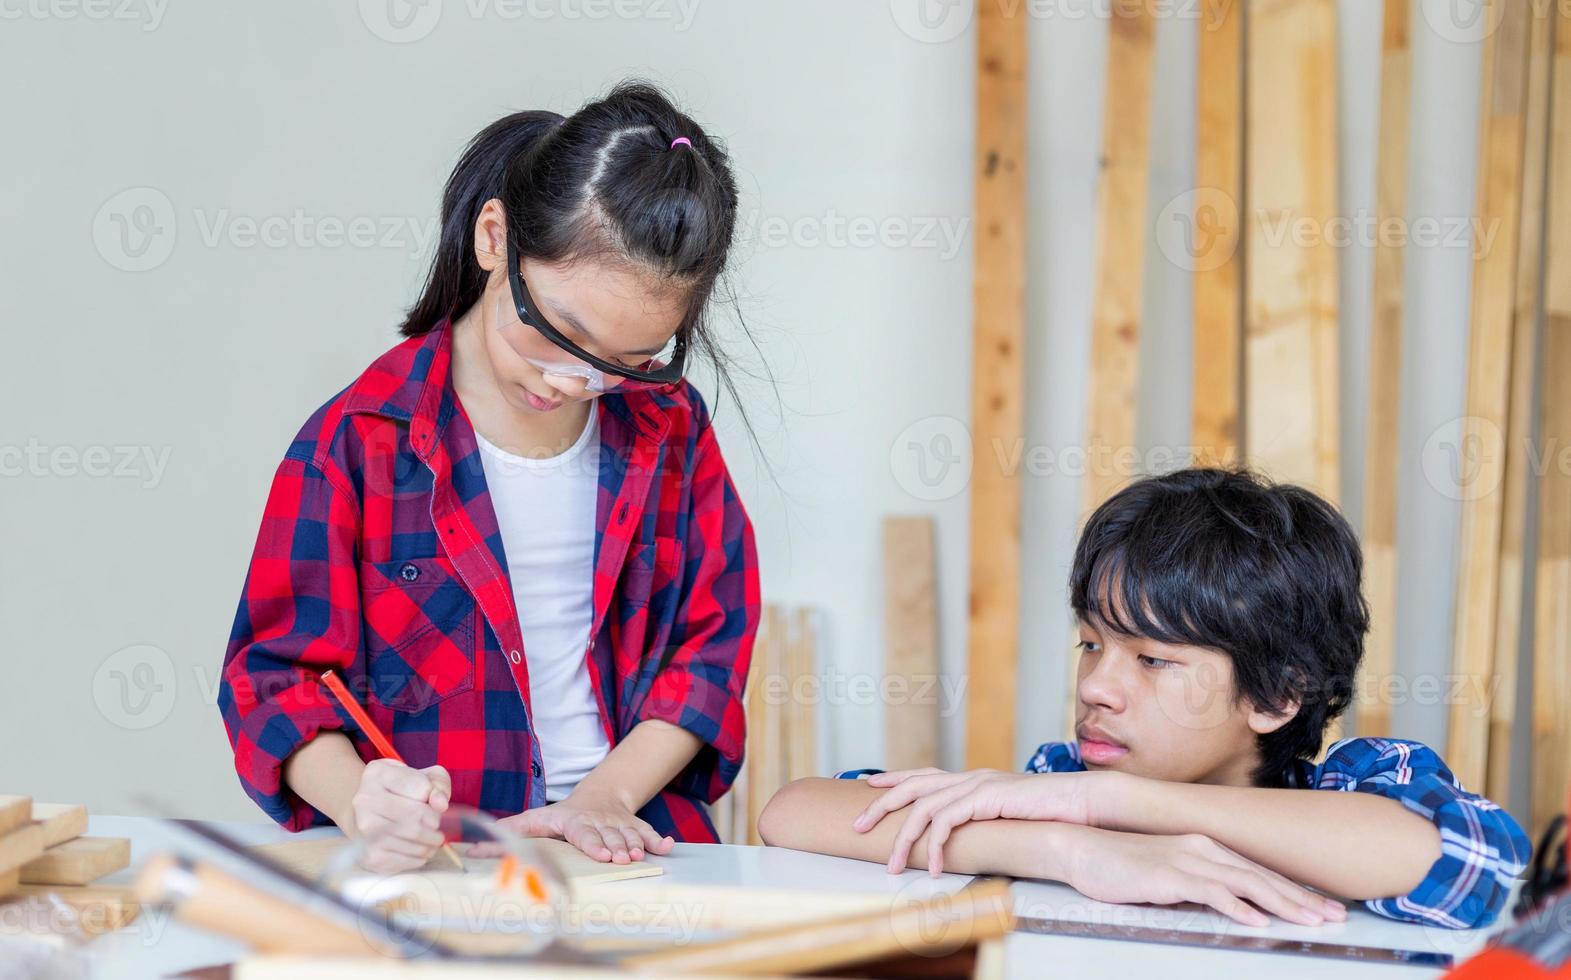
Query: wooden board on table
{"x": 1551, "y": 746}
{"x": 1382, "y": 444}
{"x": 911, "y": 642}
{"x": 14, "y": 812}
{"x": 1510, "y": 602}
{"x": 78, "y": 861}
{"x": 1214, "y": 227}
{"x": 998, "y": 382}
{"x": 20, "y": 846}
{"x": 98, "y": 908}
{"x": 310, "y": 858}
{"x": 61, "y": 821}
{"x": 1485, "y": 418}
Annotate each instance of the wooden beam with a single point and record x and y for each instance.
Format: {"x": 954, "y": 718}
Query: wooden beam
{"x": 1121, "y": 231}
{"x": 1527, "y": 305}
{"x": 1216, "y": 416}
{"x": 765, "y": 721}
{"x": 1290, "y": 267}
{"x": 1383, "y": 445}
{"x": 911, "y": 642}
{"x": 1483, "y": 432}
{"x": 800, "y": 735}
{"x": 998, "y": 379}
{"x": 1551, "y": 747}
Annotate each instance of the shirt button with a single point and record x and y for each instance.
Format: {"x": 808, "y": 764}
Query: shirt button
{"x": 515, "y": 656}
{"x": 534, "y": 768}
{"x": 409, "y": 573}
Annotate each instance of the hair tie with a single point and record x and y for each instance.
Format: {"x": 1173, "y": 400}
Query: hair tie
{"x": 680, "y": 139}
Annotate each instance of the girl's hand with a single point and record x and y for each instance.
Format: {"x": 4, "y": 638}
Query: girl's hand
{"x": 1110, "y": 866}
{"x": 398, "y": 810}
{"x": 602, "y": 827}
{"x": 941, "y": 801}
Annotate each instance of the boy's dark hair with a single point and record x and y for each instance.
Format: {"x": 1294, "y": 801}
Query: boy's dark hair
{"x": 1267, "y": 573}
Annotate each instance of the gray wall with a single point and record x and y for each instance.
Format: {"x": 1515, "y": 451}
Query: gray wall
{"x": 215, "y": 213}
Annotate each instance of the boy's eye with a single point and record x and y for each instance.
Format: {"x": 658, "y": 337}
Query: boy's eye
{"x": 1088, "y": 646}
{"x": 1156, "y": 662}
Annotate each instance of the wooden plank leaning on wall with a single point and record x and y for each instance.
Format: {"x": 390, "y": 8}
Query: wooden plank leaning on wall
{"x": 1482, "y": 438}
{"x": 1214, "y": 233}
{"x": 1510, "y": 601}
{"x": 998, "y": 381}
{"x": 1121, "y": 231}
{"x": 1383, "y": 445}
{"x": 1551, "y": 747}
{"x": 1291, "y": 369}
{"x": 911, "y": 712}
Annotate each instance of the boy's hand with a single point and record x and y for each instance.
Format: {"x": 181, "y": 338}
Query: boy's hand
{"x": 1110, "y": 866}
{"x": 602, "y": 827}
{"x": 398, "y": 810}
{"x": 941, "y": 801}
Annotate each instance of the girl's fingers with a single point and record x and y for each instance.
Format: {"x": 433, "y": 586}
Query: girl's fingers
{"x": 651, "y": 842}
{"x": 589, "y": 840}
{"x": 898, "y": 776}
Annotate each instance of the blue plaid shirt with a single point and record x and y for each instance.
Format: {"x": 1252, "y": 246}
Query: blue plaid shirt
{"x": 1482, "y": 849}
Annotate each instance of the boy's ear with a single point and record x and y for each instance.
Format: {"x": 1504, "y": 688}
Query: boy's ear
{"x": 1263, "y": 721}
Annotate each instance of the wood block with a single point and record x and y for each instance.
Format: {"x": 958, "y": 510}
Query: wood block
{"x": 998, "y": 380}
{"x": 14, "y": 812}
{"x": 78, "y": 861}
{"x": 309, "y": 858}
{"x": 21, "y": 846}
{"x": 61, "y": 821}
{"x": 99, "y": 908}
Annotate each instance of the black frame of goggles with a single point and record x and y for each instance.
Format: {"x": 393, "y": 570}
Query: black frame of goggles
{"x": 528, "y": 312}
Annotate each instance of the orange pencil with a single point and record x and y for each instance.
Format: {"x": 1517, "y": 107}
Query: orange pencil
{"x": 339, "y": 691}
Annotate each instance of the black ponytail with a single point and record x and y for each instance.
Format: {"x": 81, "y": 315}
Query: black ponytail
{"x": 605, "y": 183}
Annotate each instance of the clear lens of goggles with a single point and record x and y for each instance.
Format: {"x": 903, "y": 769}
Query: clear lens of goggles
{"x": 552, "y": 360}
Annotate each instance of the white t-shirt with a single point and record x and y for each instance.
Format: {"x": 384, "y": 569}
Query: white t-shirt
{"x": 545, "y": 509}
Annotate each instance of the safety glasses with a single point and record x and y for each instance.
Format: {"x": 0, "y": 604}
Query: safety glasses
{"x": 600, "y": 376}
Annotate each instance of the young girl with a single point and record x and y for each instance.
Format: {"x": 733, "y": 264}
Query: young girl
{"x": 514, "y": 533}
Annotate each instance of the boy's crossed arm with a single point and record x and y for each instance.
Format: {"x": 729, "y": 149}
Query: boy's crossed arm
{"x": 1105, "y": 865}
{"x": 1356, "y": 845}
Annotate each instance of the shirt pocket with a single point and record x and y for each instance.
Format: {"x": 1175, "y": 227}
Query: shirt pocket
{"x": 419, "y": 631}
{"x": 652, "y": 571}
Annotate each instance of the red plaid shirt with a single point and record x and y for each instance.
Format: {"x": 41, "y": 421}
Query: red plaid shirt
{"x": 379, "y": 556}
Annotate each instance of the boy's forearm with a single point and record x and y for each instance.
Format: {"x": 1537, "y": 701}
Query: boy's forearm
{"x": 1354, "y": 845}
{"x": 816, "y": 814}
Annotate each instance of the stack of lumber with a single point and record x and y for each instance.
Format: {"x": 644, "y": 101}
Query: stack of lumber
{"x": 44, "y": 854}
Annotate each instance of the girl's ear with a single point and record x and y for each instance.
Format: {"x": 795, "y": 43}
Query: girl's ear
{"x": 491, "y": 236}
{"x": 1264, "y": 722}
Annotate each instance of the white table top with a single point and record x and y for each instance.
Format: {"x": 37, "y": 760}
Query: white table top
{"x": 156, "y": 945}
